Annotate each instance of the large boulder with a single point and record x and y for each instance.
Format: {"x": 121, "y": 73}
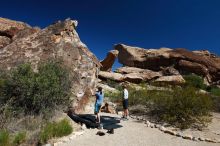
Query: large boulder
{"x": 137, "y": 75}
{"x": 127, "y": 70}
{"x": 188, "y": 66}
{"x": 168, "y": 71}
{"x": 199, "y": 62}
{"x": 111, "y": 76}
{"x": 108, "y": 62}
{"x": 175, "y": 80}
{"x": 151, "y": 59}
{"x": 57, "y": 41}
{"x": 130, "y": 74}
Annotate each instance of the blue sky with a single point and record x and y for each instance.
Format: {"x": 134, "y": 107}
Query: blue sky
{"x": 191, "y": 24}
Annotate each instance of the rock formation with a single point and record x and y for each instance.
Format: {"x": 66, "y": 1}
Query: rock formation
{"x": 111, "y": 75}
{"x": 174, "y": 80}
{"x": 108, "y": 62}
{"x": 20, "y": 43}
{"x": 130, "y": 74}
{"x": 171, "y": 61}
{"x": 9, "y": 29}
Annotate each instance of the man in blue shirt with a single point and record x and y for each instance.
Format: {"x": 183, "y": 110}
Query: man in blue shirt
{"x": 99, "y": 100}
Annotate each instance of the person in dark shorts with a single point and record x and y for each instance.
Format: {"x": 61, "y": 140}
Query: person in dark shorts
{"x": 125, "y": 102}
{"x": 98, "y": 103}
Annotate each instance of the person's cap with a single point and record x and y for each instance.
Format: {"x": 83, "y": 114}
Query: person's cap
{"x": 99, "y": 88}
{"x": 124, "y": 85}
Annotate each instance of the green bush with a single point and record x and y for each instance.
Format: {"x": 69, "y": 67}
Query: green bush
{"x": 182, "y": 107}
{"x": 63, "y": 128}
{"x": 194, "y": 81}
{"x": 114, "y": 84}
{"x": 4, "y": 138}
{"x": 215, "y": 91}
{"x": 37, "y": 92}
{"x": 139, "y": 96}
{"x": 114, "y": 96}
{"x": 19, "y": 138}
{"x": 111, "y": 83}
{"x": 58, "y": 129}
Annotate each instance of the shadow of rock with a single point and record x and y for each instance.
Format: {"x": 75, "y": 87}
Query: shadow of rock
{"x": 108, "y": 122}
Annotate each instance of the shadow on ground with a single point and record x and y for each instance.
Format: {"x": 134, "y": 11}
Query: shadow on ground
{"x": 108, "y": 122}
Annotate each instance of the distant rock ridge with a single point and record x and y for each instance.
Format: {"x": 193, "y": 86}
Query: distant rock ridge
{"x": 169, "y": 62}
{"x": 21, "y": 43}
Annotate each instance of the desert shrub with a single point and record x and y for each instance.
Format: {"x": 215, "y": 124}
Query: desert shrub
{"x": 4, "y": 138}
{"x": 55, "y": 129}
{"x": 194, "y": 81}
{"x": 63, "y": 128}
{"x": 215, "y": 91}
{"x": 139, "y": 96}
{"x": 111, "y": 83}
{"x": 37, "y": 92}
{"x": 114, "y": 84}
{"x": 19, "y": 138}
{"x": 7, "y": 139}
{"x": 3, "y": 79}
{"x": 182, "y": 107}
{"x": 114, "y": 96}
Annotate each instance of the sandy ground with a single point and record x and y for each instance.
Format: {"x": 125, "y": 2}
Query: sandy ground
{"x": 131, "y": 133}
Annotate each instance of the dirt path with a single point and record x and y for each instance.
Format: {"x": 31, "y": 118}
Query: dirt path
{"x": 131, "y": 133}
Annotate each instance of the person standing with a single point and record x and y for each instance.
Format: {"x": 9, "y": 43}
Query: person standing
{"x": 125, "y": 102}
{"x": 98, "y": 103}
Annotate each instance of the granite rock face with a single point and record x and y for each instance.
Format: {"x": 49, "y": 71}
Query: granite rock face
{"x": 23, "y": 43}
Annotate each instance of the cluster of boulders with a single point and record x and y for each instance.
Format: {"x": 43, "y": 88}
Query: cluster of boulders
{"x": 160, "y": 65}
{"x": 21, "y": 43}
{"x": 174, "y": 132}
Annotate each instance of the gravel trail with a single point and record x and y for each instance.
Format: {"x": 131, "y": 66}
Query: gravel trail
{"x": 132, "y": 133}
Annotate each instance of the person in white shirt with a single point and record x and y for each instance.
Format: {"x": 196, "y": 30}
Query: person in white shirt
{"x": 125, "y": 102}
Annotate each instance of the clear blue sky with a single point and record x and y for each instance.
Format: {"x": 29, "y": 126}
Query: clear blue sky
{"x": 191, "y": 24}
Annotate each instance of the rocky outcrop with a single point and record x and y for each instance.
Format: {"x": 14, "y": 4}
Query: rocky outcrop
{"x": 111, "y": 75}
{"x": 57, "y": 41}
{"x": 4, "y": 41}
{"x": 130, "y": 74}
{"x": 137, "y": 75}
{"x": 174, "y": 80}
{"x": 108, "y": 62}
{"x": 151, "y": 59}
{"x": 182, "y": 61}
{"x": 167, "y": 71}
{"x": 9, "y": 29}
{"x": 188, "y": 66}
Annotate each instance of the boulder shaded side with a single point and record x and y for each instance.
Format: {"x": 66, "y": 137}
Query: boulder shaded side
{"x": 108, "y": 62}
